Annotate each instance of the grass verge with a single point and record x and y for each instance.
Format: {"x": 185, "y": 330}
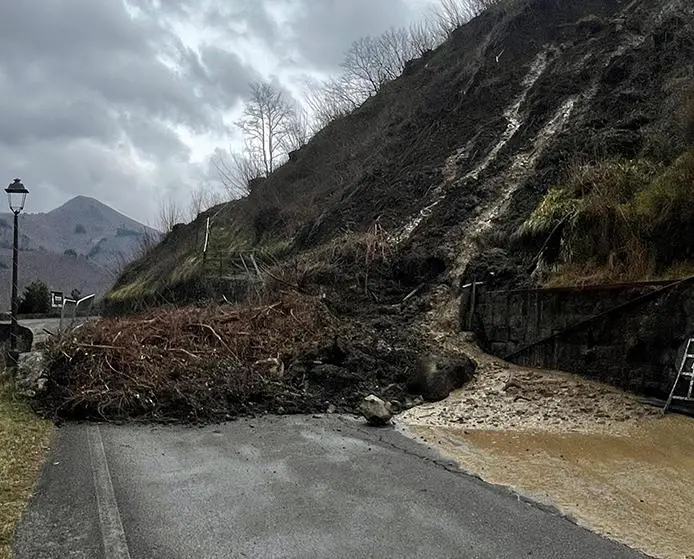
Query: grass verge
{"x": 24, "y": 439}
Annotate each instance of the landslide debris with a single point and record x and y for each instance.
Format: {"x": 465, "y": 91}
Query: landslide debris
{"x": 508, "y": 397}
{"x": 216, "y": 363}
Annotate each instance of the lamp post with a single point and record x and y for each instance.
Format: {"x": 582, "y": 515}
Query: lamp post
{"x": 17, "y": 195}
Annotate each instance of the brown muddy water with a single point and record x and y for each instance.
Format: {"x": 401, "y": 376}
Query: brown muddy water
{"x": 634, "y": 484}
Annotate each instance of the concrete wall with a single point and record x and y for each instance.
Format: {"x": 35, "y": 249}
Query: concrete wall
{"x": 628, "y": 335}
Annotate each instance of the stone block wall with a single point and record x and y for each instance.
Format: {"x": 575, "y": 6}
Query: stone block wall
{"x": 630, "y": 336}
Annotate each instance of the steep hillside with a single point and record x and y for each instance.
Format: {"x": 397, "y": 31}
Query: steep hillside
{"x": 433, "y": 180}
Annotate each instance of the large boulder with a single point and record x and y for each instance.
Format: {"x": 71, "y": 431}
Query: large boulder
{"x": 435, "y": 377}
{"x": 376, "y": 411}
{"x": 32, "y": 373}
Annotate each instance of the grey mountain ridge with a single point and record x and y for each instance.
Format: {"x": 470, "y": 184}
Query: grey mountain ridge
{"x": 79, "y": 245}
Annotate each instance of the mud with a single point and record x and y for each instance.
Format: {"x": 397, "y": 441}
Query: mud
{"x": 632, "y": 484}
{"x": 506, "y": 397}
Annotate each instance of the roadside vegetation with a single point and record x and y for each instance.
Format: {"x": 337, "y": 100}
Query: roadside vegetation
{"x": 620, "y": 220}
{"x": 24, "y": 439}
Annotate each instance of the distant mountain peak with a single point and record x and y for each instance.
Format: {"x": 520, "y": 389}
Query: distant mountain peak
{"x": 81, "y": 201}
{"x": 87, "y": 207}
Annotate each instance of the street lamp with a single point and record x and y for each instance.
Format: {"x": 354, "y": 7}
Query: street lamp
{"x": 17, "y": 195}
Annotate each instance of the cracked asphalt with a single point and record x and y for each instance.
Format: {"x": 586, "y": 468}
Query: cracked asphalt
{"x": 284, "y": 487}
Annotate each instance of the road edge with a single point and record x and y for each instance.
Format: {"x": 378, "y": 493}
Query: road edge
{"x": 112, "y": 532}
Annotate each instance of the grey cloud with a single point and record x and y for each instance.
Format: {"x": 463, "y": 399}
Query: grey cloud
{"x": 23, "y": 120}
{"x": 154, "y": 137}
{"x": 325, "y": 29}
{"x": 84, "y": 86}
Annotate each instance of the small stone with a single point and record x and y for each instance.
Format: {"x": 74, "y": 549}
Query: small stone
{"x": 331, "y": 409}
{"x": 376, "y": 411}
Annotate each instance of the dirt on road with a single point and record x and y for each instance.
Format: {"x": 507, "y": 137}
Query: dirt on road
{"x": 602, "y": 458}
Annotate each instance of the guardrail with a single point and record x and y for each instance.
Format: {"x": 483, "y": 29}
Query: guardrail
{"x": 89, "y": 299}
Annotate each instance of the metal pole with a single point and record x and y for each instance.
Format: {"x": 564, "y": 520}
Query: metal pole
{"x": 473, "y": 301}
{"x": 15, "y": 302}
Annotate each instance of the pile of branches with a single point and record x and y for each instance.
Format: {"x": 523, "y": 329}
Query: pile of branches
{"x": 197, "y": 364}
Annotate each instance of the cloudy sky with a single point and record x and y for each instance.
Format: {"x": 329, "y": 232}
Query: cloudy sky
{"x": 125, "y": 100}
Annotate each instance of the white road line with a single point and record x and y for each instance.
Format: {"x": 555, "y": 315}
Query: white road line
{"x": 112, "y": 533}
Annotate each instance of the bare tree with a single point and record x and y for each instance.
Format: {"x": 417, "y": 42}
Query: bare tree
{"x": 265, "y": 122}
{"x": 237, "y": 171}
{"x": 362, "y": 66}
{"x": 297, "y": 129}
{"x": 395, "y": 50}
{"x": 202, "y": 199}
{"x": 425, "y": 36}
{"x": 451, "y": 14}
{"x": 169, "y": 215}
{"x": 331, "y": 99}
{"x": 371, "y": 62}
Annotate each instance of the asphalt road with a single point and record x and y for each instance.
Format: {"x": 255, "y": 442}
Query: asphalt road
{"x": 292, "y": 487}
{"x": 39, "y": 325}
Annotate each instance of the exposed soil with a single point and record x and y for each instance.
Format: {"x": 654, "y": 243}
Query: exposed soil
{"x": 473, "y": 133}
{"x": 505, "y": 396}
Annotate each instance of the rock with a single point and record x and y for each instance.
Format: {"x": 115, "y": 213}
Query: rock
{"x": 331, "y": 409}
{"x": 272, "y": 367}
{"x": 376, "y": 411}
{"x": 436, "y": 377}
{"x": 32, "y": 374}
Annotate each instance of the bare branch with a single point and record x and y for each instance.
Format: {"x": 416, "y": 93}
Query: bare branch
{"x": 297, "y": 129}
{"x": 202, "y": 199}
{"x": 169, "y": 215}
{"x": 236, "y": 172}
{"x": 452, "y": 14}
{"x": 265, "y": 124}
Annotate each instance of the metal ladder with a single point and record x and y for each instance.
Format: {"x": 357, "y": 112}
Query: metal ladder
{"x": 685, "y": 371}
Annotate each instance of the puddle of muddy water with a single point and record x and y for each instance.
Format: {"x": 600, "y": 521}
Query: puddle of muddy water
{"x": 635, "y": 485}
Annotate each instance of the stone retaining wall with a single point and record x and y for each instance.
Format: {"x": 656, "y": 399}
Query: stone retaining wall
{"x": 630, "y": 336}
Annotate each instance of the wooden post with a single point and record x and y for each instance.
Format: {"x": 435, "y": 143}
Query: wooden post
{"x": 207, "y": 238}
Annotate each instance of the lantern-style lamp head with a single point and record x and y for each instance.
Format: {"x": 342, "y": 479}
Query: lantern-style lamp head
{"x": 17, "y": 195}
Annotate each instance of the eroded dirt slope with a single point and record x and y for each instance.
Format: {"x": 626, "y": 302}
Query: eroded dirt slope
{"x": 461, "y": 147}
